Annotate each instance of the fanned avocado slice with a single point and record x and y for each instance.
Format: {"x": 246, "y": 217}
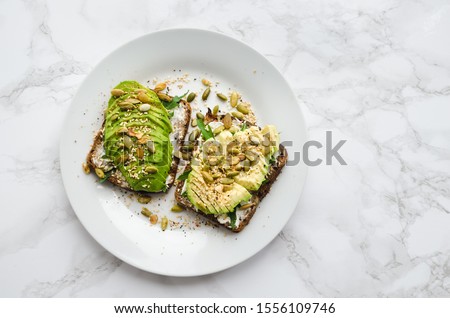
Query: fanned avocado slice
{"x": 210, "y": 200}
{"x": 252, "y": 179}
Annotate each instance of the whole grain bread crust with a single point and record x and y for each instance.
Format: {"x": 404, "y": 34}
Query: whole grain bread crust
{"x": 180, "y": 134}
{"x": 274, "y": 172}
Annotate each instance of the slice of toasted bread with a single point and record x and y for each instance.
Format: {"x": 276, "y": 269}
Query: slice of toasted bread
{"x": 180, "y": 123}
{"x": 243, "y": 216}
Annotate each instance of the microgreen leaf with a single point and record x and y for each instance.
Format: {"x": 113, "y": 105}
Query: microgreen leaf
{"x": 107, "y": 175}
{"x": 206, "y": 132}
{"x": 232, "y": 216}
{"x": 174, "y": 102}
{"x": 184, "y": 175}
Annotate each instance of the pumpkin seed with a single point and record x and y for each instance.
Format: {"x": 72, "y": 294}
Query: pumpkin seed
{"x": 238, "y": 115}
{"x": 206, "y": 93}
{"x": 120, "y": 159}
{"x": 226, "y": 120}
{"x": 177, "y": 154}
{"x": 117, "y": 92}
{"x": 215, "y": 110}
{"x": 235, "y": 160}
{"x": 251, "y": 156}
{"x": 151, "y": 170}
{"x": 222, "y": 97}
{"x": 153, "y": 219}
{"x": 207, "y": 177}
{"x": 254, "y": 140}
{"x": 99, "y": 172}
{"x": 127, "y": 141}
{"x": 234, "y": 151}
{"x": 194, "y": 122}
{"x": 164, "y": 97}
{"x": 233, "y": 129}
{"x": 139, "y": 90}
{"x": 246, "y": 206}
{"x": 186, "y": 156}
{"x": 126, "y": 105}
{"x": 206, "y": 82}
{"x": 246, "y": 163}
{"x": 86, "y": 168}
{"x": 234, "y": 99}
{"x": 227, "y": 187}
{"x": 218, "y": 130}
{"x": 232, "y": 174}
{"x": 194, "y": 135}
{"x": 146, "y": 212}
{"x": 241, "y": 157}
{"x": 140, "y": 152}
{"x": 243, "y": 108}
{"x": 191, "y": 97}
{"x": 200, "y": 116}
{"x": 114, "y": 117}
{"x": 144, "y": 107}
{"x": 133, "y": 100}
{"x": 143, "y": 97}
{"x": 213, "y": 161}
{"x": 144, "y": 200}
{"x": 160, "y": 87}
{"x": 216, "y": 175}
{"x": 187, "y": 148}
{"x": 226, "y": 181}
{"x": 164, "y": 223}
{"x": 176, "y": 208}
{"x": 151, "y": 146}
{"x": 122, "y": 130}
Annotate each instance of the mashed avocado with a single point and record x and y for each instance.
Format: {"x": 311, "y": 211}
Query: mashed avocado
{"x": 137, "y": 136}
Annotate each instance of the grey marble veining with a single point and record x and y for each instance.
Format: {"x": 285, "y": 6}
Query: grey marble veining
{"x": 376, "y": 73}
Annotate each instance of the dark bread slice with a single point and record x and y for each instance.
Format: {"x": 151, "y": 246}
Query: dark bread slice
{"x": 274, "y": 171}
{"x": 180, "y": 122}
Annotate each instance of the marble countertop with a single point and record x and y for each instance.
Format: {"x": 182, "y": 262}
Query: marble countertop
{"x": 376, "y": 73}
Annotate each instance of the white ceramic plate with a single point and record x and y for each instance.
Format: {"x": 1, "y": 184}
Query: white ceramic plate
{"x": 113, "y": 218}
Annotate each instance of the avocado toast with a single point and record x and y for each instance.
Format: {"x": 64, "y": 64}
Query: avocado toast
{"x": 134, "y": 149}
{"x": 232, "y": 167}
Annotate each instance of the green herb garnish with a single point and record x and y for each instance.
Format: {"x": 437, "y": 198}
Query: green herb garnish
{"x": 174, "y": 102}
{"x": 206, "y": 131}
{"x": 232, "y": 216}
{"x": 244, "y": 127}
{"x": 107, "y": 175}
{"x": 184, "y": 175}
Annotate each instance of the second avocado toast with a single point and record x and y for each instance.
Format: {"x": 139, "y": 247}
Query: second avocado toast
{"x": 231, "y": 170}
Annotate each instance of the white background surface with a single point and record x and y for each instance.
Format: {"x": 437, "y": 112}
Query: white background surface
{"x": 376, "y": 73}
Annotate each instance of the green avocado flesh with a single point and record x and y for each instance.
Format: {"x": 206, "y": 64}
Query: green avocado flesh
{"x": 145, "y": 161}
{"x": 210, "y": 201}
{"x": 210, "y": 196}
